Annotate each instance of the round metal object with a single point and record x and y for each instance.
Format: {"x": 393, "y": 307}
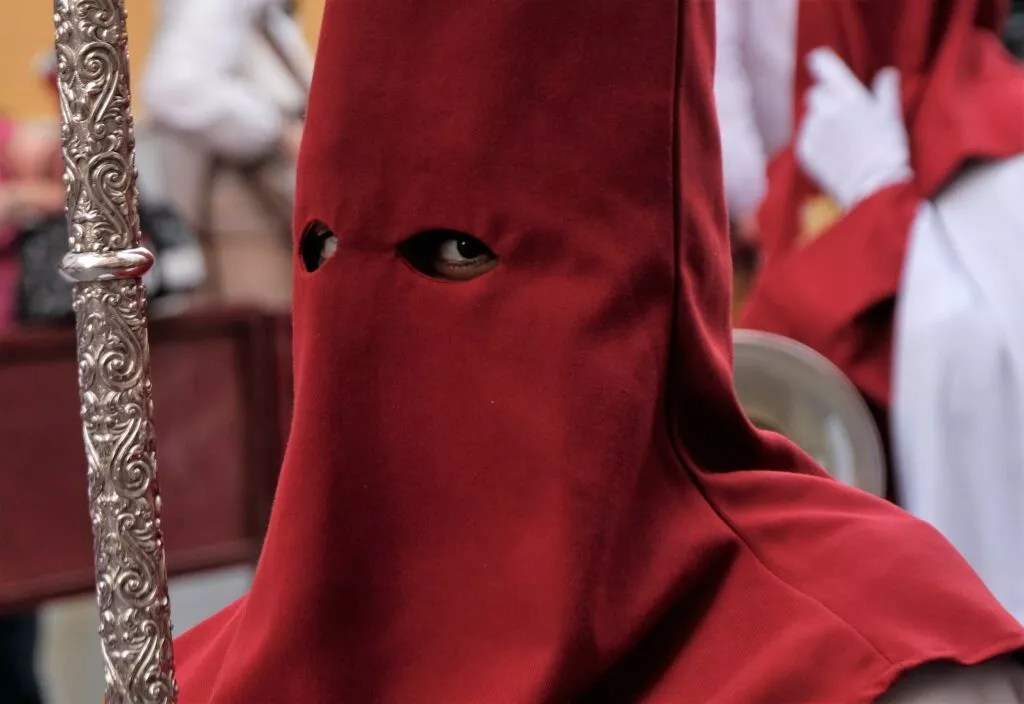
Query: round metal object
{"x": 790, "y": 389}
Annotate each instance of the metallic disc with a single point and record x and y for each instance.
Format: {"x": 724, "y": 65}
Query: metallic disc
{"x": 789, "y": 388}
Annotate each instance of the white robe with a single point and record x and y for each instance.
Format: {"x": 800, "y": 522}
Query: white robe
{"x": 212, "y": 78}
{"x": 958, "y": 396}
{"x": 754, "y": 70}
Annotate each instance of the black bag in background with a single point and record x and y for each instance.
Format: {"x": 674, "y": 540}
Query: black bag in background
{"x": 43, "y": 294}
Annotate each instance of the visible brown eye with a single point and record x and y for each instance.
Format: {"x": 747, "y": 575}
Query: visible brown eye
{"x": 448, "y": 254}
{"x": 317, "y": 245}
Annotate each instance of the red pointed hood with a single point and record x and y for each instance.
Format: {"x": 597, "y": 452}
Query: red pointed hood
{"x": 537, "y": 486}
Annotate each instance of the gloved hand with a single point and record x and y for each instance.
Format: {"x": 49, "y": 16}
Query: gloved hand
{"x": 852, "y": 141}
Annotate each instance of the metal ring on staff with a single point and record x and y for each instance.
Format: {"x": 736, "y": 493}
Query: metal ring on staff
{"x": 87, "y": 267}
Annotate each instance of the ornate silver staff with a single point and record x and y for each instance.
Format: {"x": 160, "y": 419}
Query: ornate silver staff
{"x": 106, "y": 263}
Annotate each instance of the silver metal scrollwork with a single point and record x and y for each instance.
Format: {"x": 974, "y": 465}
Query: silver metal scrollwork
{"x": 106, "y": 263}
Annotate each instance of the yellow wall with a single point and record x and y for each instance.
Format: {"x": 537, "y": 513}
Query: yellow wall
{"x": 27, "y": 31}
{"x": 310, "y": 14}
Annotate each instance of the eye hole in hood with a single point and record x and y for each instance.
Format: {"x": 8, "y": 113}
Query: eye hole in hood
{"x": 448, "y": 254}
{"x": 317, "y": 245}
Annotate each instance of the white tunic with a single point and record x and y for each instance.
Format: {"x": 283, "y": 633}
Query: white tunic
{"x": 756, "y": 59}
{"x": 211, "y": 76}
{"x": 958, "y": 396}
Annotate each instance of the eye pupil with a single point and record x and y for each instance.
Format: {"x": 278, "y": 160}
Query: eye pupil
{"x": 470, "y": 248}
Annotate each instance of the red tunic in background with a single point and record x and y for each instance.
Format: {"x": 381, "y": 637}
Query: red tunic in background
{"x": 538, "y": 486}
{"x": 963, "y": 101}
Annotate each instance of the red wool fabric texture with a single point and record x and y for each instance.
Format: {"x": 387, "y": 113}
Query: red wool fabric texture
{"x": 538, "y": 486}
{"x": 963, "y": 102}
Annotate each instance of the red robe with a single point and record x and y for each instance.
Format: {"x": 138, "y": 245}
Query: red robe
{"x": 963, "y": 101}
{"x": 538, "y": 485}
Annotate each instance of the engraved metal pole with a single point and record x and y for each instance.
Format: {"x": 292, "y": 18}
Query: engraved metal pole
{"x": 106, "y": 263}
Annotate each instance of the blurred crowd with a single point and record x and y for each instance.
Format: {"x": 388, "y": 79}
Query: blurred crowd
{"x": 874, "y": 186}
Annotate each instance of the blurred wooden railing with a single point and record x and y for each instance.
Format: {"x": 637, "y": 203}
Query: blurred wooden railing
{"x": 222, "y": 396}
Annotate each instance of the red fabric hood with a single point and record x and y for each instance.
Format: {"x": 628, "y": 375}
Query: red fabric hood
{"x": 537, "y": 486}
{"x": 963, "y": 101}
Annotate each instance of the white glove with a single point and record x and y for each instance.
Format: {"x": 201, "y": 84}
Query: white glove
{"x": 852, "y": 141}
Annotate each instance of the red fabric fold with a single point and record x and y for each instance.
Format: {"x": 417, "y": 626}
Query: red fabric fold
{"x": 836, "y": 293}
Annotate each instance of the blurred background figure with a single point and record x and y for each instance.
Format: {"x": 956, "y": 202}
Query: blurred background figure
{"x": 230, "y": 79}
{"x": 756, "y": 56}
{"x": 890, "y": 238}
{"x": 205, "y": 77}
{"x": 755, "y": 63}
